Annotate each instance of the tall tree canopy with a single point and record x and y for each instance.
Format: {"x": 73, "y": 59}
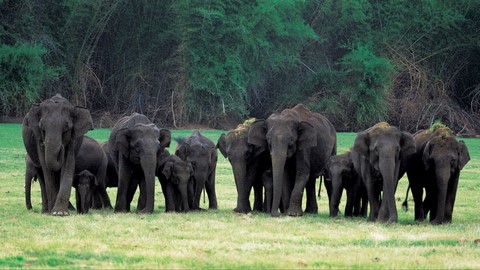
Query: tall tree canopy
{"x": 219, "y": 61}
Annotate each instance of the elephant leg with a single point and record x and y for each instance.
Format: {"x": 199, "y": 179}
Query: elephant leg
{"x": 124, "y": 190}
{"x": 451, "y": 194}
{"x": 43, "y": 192}
{"x": 286, "y": 191}
{"x": 142, "y": 198}
{"x": 258, "y": 195}
{"x": 312, "y": 205}
{"x": 106, "y": 204}
{"x": 66, "y": 178}
{"x": 295, "y": 207}
{"x": 372, "y": 199}
{"x": 350, "y": 202}
{"x": 417, "y": 193}
{"x": 96, "y": 200}
{"x": 210, "y": 188}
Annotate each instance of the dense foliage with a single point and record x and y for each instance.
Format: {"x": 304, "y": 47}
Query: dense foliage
{"x": 219, "y": 61}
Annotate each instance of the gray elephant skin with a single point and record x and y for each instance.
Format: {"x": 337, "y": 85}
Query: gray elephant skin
{"x": 52, "y": 133}
{"x": 248, "y": 162}
{"x": 133, "y": 146}
{"x": 299, "y": 142}
{"x": 342, "y": 175}
{"x": 436, "y": 167}
{"x": 91, "y": 158}
{"x": 201, "y": 153}
{"x": 176, "y": 179}
{"x": 380, "y": 155}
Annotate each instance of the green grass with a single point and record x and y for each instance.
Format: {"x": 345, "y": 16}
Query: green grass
{"x": 223, "y": 239}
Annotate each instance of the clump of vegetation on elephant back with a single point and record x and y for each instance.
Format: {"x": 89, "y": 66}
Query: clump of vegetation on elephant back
{"x": 436, "y": 167}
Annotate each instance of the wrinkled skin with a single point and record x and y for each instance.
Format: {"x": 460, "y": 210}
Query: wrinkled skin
{"x": 85, "y": 184}
{"x": 52, "y": 133}
{"x": 380, "y": 154}
{"x": 201, "y": 153}
{"x": 436, "y": 166}
{"x": 176, "y": 178}
{"x": 342, "y": 175}
{"x": 89, "y": 157}
{"x": 133, "y": 145}
{"x": 248, "y": 165}
{"x": 299, "y": 143}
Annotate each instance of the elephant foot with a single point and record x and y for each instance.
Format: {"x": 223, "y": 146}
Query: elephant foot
{"x": 145, "y": 211}
{"x": 311, "y": 210}
{"x": 436, "y": 222}
{"x": 241, "y": 210}
{"x": 59, "y": 213}
{"x": 275, "y": 214}
{"x": 295, "y": 211}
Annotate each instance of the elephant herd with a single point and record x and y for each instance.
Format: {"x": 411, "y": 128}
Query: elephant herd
{"x": 278, "y": 158}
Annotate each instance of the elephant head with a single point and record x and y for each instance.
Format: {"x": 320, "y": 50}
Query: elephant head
{"x": 179, "y": 173}
{"x": 386, "y": 150}
{"x": 445, "y": 157}
{"x": 52, "y": 132}
{"x": 85, "y": 184}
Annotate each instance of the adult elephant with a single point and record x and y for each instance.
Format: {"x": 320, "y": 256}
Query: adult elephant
{"x": 52, "y": 133}
{"x": 342, "y": 175}
{"x": 381, "y": 154}
{"x": 299, "y": 142}
{"x": 175, "y": 176}
{"x": 436, "y": 166}
{"x": 133, "y": 145}
{"x": 91, "y": 158}
{"x": 201, "y": 153}
{"x": 248, "y": 162}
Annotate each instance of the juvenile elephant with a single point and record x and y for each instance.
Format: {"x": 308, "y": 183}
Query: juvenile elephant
{"x": 90, "y": 157}
{"x": 342, "y": 175}
{"x": 133, "y": 145}
{"x": 248, "y": 164}
{"x": 85, "y": 185}
{"x": 175, "y": 176}
{"x": 52, "y": 133}
{"x": 436, "y": 166}
{"x": 201, "y": 153}
{"x": 380, "y": 155}
{"x": 299, "y": 143}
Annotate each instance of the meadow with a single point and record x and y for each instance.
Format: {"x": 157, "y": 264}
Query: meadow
{"x": 222, "y": 238}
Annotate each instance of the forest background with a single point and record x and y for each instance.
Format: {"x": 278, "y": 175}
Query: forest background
{"x": 216, "y": 62}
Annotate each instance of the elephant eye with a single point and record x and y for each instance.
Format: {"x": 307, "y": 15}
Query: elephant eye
{"x": 66, "y": 127}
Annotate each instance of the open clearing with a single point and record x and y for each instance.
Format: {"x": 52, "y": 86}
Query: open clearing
{"x": 222, "y": 238}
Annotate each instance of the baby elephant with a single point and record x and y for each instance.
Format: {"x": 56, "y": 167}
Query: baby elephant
{"x": 342, "y": 174}
{"x": 85, "y": 184}
{"x": 176, "y": 179}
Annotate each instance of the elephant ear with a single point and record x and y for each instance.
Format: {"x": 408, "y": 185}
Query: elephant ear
{"x": 362, "y": 143}
{"x": 427, "y": 151}
{"x": 307, "y": 135}
{"x": 463, "y": 155}
{"x": 257, "y": 134}
{"x": 93, "y": 180}
{"x": 407, "y": 148}
{"x": 165, "y": 138}
{"x": 182, "y": 151}
{"x": 167, "y": 169}
{"x": 32, "y": 119}
{"x": 82, "y": 121}
{"x": 222, "y": 145}
{"x": 122, "y": 141}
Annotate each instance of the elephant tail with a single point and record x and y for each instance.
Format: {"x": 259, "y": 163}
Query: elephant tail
{"x": 405, "y": 203}
{"x": 320, "y": 186}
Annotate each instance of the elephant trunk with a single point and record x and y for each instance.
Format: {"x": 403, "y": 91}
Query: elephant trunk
{"x": 388, "y": 209}
{"x": 84, "y": 200}
{"x": 54, "y": 154}
{"x": 278, "y": 167}
{"x": 184, "y": 193}
{"x": 28, "y": 189}
{"x": 240, "y": 175}
{"x": 200, "y": 176}
{"x": 336, "y": 194}
{"x": 442, "y": 178}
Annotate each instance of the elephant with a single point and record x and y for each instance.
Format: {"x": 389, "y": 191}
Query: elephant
{"x": 342, "y": 175}
{"x": 175, "y": 177}
{"x": 201, "y": 153}
{"x": 299, "y": 142}
{"x": 380, "y": 155}
{"x": 436, "y": 166}
{"x": 85, "y": 184}
{"x": 52, "y": 133}
{"x": 248, "y": 164}
{"x": 133, "y": 144}
{"x": 111, "y": 179}
{"x": 90, "y": 157}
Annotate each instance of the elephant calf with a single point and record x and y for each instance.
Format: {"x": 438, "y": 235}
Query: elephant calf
{"x": 342, "y": 175}
{"x": 175, "y": 177}
{"x": 85, "y": 184}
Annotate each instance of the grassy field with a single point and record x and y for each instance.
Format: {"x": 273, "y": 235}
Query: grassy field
{"x": 223, "y": 239}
